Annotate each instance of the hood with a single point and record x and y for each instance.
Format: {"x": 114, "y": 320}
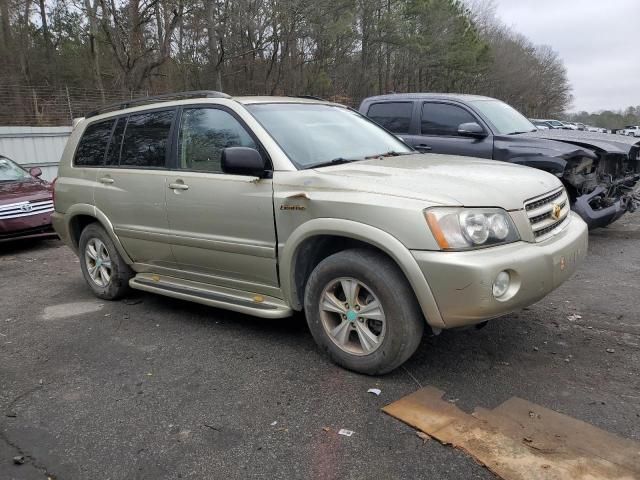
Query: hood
{"x": 607, "y": 142}
{"x": 29, "y": 190}
{"x": 443, "y": 179}
{"x": 509, "y": 147}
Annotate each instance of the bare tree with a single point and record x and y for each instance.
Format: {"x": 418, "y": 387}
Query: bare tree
{"x": 127, "y": 32}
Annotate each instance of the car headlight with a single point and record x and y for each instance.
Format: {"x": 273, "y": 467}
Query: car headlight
{"x": 468, "y": 228}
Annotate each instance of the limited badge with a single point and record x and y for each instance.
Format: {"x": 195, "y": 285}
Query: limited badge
{"x": 292, "y": 207}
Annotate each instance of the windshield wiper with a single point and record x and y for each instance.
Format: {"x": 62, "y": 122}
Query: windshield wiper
{"x": 526, "y": 131}
{"x": 391, "y": 153}
{"x": 341, "y": 160}
{"x": 335, "y": 161}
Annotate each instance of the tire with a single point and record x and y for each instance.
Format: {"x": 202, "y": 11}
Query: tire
{"x": 379, "y": 280}
{"x": 94, "y": 241}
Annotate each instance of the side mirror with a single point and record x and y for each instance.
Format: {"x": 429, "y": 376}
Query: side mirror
{"x": 471, "y": 129}
{"x": 35, "y": 172}
{"x": 243, "y": 161}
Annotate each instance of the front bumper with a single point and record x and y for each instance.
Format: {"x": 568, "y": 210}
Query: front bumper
{"x": 24, "y": 227}
{"x": 462, "y": 282}
{"x": 602, "y": 217}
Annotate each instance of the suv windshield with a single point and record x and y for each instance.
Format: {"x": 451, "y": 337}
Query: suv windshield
{"x": 313, "y": 134}
{"x": 506, "y": 119}
{"x": 10, "y": 172}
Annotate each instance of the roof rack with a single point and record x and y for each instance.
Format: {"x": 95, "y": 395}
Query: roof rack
{"x": 167, "y": 97}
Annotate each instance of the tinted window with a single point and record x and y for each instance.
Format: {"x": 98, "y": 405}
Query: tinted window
{"x": 146, "y": 139}
{"x": 204, "y": 133}
{"x": 113, "y": 152}
{"x": 443, "y": 119}
{"x": 394, "y": 116}
{"x": 93, "y": 144}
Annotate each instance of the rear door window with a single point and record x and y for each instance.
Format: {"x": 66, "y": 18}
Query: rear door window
{"x": 146, "y": 139}
{"x": 394, "y": 116}
{"x": 443, "y": 119}
{"x": 93, "y": 144}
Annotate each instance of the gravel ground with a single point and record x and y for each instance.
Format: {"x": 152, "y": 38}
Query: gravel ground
{"x": 152, "y": 387}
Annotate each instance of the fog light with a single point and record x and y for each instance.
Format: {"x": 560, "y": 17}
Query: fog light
{"x": 501, "y": 284}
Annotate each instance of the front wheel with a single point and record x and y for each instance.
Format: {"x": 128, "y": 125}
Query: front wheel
{"x": 362, "y": 311}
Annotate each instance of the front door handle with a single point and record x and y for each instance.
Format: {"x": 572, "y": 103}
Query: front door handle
{"x": 423, "y": 147}
{"x": 178, "y": 186}
{"x": 106, "y": 180}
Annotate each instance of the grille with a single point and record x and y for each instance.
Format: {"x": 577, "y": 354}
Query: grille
{"x": 25, "y": 209}
{"x": 540, "y": 212}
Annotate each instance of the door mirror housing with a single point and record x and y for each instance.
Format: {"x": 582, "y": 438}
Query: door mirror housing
{"x": 35, "y": 172}
{"x": 471, "y": 129}
{"x": 243, "y": 161}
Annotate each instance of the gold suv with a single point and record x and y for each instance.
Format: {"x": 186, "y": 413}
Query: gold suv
{"x": 270, "y": 205}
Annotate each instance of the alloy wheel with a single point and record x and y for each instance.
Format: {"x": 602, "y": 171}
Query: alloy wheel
{"x": 98, "y": 262}
{"x": 352, "y": 316}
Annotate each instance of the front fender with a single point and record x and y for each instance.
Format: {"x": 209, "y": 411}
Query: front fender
{"x": 365, "y": 233}
{"x": 552, "y": 165}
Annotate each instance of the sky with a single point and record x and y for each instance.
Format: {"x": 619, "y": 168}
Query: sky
{"x": 599, "y": 41}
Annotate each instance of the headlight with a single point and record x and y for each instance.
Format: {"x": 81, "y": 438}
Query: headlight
{"x": 467, "y": 228}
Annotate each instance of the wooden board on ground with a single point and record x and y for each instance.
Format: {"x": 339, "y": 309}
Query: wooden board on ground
{"x": 522, "y": 440}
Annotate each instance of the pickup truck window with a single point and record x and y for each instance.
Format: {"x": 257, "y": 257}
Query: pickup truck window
{"x": 505, "y": 119}
{"x": 443, "y": 119}
{"x": 394, "y": 116}
{"x": 204, "y": 133}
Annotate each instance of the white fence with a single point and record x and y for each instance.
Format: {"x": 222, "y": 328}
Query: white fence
{"x": 35, "y": 147}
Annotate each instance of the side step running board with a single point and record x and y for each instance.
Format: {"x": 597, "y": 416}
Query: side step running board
{"x": 214, "y": 296}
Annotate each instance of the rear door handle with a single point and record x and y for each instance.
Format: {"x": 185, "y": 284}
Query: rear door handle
{"x": 423, "y": 147}
{"x": 106, "y": 180}
{"x": 178, "y": 186}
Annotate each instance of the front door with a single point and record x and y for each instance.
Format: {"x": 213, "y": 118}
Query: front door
{"x": 131, "y": 187}
{"x": 438, "y": 132}
{"x": 222, "y": 225}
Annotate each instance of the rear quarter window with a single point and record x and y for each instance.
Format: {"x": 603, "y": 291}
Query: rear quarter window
{"x": 394, "y": 116}
{"x": 93, "y": 144}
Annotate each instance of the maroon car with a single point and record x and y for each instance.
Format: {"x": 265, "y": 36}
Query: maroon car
{"x": 26, "y": 202}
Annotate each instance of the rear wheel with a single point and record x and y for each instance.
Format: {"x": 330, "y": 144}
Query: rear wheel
{"x": 362, "y": 311}
{"x": 102, "y": 266}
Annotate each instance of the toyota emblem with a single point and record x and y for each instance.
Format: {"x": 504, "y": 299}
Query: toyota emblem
{"x": 26, "y": 207}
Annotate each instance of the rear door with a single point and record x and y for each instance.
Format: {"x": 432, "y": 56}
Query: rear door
{"x": 438, "y": 131}
{"x": 394, "y": 116}
{"x": 131, "y": 186}
{"x": 222, "y": 225}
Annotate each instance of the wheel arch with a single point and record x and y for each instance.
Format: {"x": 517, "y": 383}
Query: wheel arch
{"x": 313, "y": 241}
{"x": 79, "y": 216}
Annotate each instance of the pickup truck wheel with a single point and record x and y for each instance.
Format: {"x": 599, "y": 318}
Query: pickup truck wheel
{"x": 102, "y": 267}
{"x": 362, "y": 311}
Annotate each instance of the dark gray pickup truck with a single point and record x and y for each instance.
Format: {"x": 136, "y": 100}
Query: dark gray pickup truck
{"x": 600, "y": 172}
